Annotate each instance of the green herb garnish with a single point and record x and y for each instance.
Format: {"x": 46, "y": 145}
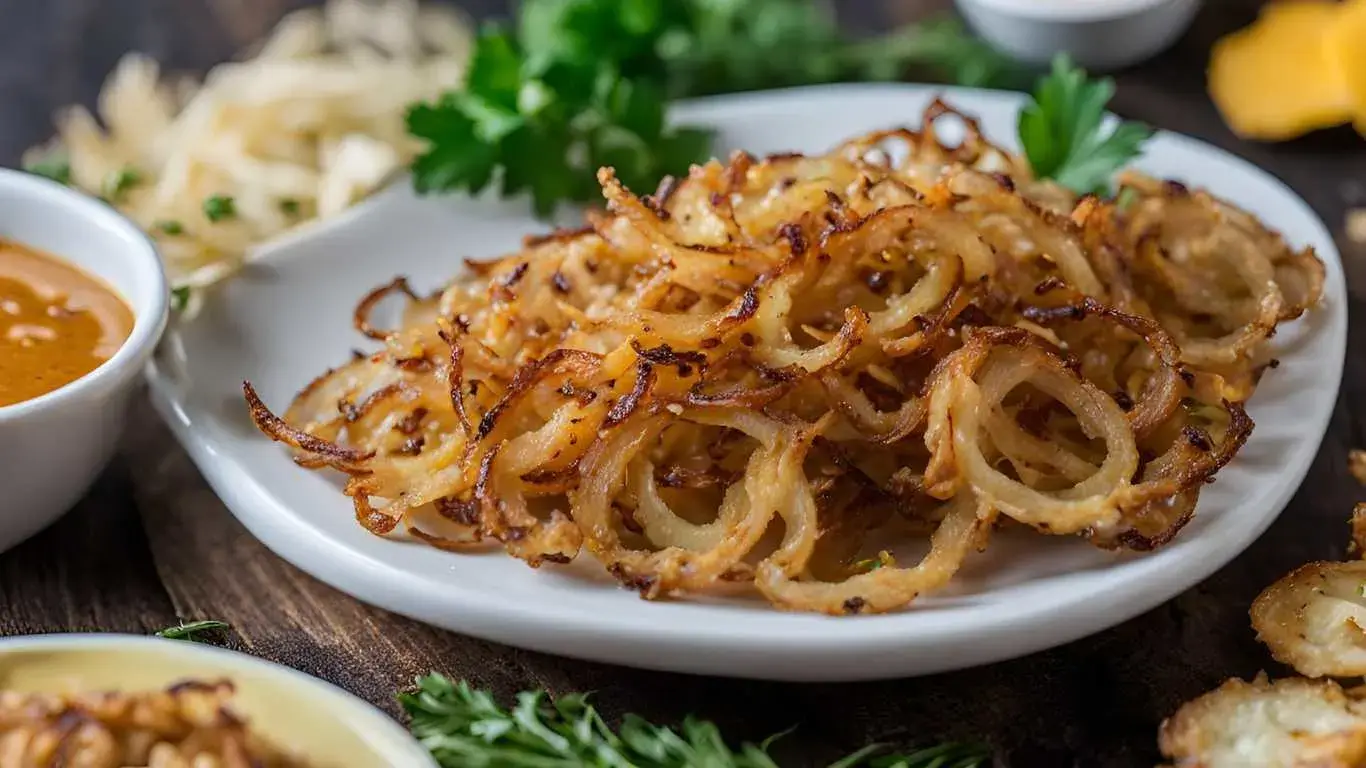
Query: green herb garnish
{"x": 465, "y": 727}
{"x": 944, "y": 48}
{"x": 170, "y": 227}
{"x": 582, "y": 84}
{"x": 740, "y": 45}
{"x": 117, "y": 184}
{"x": 1062, "y": 134}
{"x": 724, "y": 46}
{"x": 180, "y": 298}
{"x": 289, "y": 206}
{"x": 192, "y": 630}
{"x": 543, "y": 109}
{"x": 883, "y": 559}
{"x": 219, "y": 207}
{"x": 53, "y": 165}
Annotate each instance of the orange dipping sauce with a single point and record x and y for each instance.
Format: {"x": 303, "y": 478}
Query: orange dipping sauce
{"x": 56, "y": 323}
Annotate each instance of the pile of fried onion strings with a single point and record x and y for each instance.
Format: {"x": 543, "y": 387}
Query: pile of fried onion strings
{"x": 771, "y": 369}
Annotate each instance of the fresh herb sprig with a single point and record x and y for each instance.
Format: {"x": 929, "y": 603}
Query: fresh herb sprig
{"x": 740, "y": 45}
{"x": 1063, "y": 134}
{"x": 464, "y": 728}
{"x": 577, "y": 87}
{"x": 192, "y": 631}
{"x": 581, "y": 84}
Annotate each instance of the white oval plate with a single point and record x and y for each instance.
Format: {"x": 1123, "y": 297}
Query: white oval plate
{"x": 290, "y": 318}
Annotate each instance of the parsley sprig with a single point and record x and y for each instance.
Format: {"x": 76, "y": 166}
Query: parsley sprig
{"x": 573, "y": 90}
{"x": 466, "y": 728}
{"x": 739, "y": 45}
{"x": 581, "y": 84}
{"x": 1063, "y": 135}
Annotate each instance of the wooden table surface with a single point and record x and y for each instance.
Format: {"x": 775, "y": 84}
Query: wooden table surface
{"x": 152, "y": 544}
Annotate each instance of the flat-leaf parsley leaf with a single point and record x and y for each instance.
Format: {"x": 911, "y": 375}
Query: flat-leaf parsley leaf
{"x": 576, "y": 88}
{"x": 1064, "y": 135}
{"x": 580, "y": 84}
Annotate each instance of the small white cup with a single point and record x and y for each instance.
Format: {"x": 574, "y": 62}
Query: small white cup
{"x": 1098, "y": 34}
{"x": 54, "y": 446}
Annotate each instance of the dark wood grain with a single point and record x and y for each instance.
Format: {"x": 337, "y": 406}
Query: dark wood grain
{"x": 152, "y": 543}
{"x": 92, "y": 571}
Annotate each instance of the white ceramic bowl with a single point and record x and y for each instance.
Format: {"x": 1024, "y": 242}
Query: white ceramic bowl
{"x": 317, "y": 721}
{"x": 52, "y": 447}
{"x": 1098, "y": 34}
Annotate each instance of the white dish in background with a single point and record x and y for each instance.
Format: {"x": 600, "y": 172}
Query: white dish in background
{"x": 311, "y": 719}
{"x": 52, "y": 447}
{"x": 1098, "y": 34}
{"x": 290, "y": 317}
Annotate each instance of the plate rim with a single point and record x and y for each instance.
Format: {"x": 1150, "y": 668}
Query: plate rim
{"x": 805, "y": 658}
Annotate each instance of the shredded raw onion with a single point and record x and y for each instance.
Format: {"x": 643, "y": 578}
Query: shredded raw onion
{"x": 307, "y": 126}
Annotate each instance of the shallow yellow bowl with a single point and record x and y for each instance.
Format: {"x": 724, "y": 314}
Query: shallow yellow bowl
{"x": 318, "y": 722}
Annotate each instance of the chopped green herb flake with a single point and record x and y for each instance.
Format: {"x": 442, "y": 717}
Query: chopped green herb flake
{"x": 54, "y": 165}
{"x": 289, "y": 207}
{"x": 884, "y": 558}
{"x": 170, "y": 227}
{"x": 219, "y": 207}
{"x": 180, "y": 298}
{"x": 117, "y": 184}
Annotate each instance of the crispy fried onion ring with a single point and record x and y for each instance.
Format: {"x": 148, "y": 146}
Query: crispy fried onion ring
{"x": 772, "y": 486}
{"x": 969, "y": 400}
{"x": 825, "y": 379}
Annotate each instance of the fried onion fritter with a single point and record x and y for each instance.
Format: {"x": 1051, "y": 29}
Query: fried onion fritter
{"x": 188, "y": 725}
{"x": 1314, "y": 619}
{"x": 1291, "y": 723}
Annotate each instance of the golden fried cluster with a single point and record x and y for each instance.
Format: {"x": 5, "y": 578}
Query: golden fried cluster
{"x": 774, "y": 368}
{"x": 1314, "y": 621}
{"x": 189, "y": 725}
